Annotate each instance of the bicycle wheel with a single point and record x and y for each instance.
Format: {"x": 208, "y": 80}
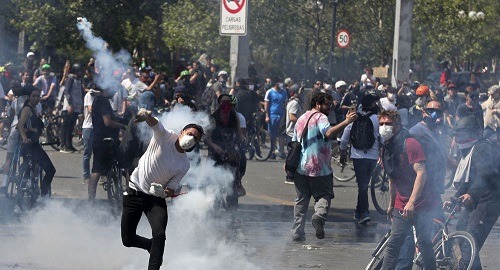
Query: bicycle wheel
{"x": 455, "y": 253}
{"x": 27, "y": 189}
{"x": 379, "y": 189}
{"x": 262, "y": 144}
{"x": 378, "y": 255}
{"x": 52, "y": 131}
{"x": 341, "y": 172}
{"x": 77, "y": 134}
{"x": 114, "y": 186}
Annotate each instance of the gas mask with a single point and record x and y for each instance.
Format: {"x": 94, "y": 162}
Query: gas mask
{"x": 386, "y": 132}
{"x": 187, "y": 142}
{"x": 433, "y": 118}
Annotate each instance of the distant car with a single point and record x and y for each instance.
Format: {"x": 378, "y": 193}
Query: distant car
{"x": 460, "y": 79}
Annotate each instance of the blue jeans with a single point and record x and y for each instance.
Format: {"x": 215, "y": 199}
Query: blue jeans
{"x": 87, "y": 151}
{"x": 401, "y": 228}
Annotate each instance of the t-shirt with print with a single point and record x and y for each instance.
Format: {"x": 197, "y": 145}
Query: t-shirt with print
{"x": 161, "y": 163}
{"x": 316, "y": 148}
{"x": 404, "y": 179}
{"x": 277, "y": 101}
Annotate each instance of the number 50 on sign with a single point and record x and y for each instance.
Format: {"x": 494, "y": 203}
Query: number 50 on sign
{"x": 343, "y": 38}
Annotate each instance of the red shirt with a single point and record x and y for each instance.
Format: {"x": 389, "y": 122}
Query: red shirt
{"x": 405, "y": 179}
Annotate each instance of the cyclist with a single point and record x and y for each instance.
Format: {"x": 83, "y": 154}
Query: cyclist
{"x": 47, "y": 83}
{"x": 104, "y": 126}
{"x": 30, "y": 128}
{"x": 477, "y": 178}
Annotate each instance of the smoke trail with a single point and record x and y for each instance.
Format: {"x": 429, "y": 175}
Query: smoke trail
{"x": 109, "y": 66}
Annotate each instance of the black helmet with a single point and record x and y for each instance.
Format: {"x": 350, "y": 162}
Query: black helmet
{"x": 469, "y": 123}
{"x": 76, "y": 68}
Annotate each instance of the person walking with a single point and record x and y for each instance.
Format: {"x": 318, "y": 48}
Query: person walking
{"x": 156, "y": 177}
{"x": 314, "y": 177}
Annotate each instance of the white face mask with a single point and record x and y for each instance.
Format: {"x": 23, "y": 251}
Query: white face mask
{"x": 386, "y": 132}
{"x": 187, "y": 141}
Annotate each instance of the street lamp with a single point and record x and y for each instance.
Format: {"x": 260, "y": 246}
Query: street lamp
{"x": 471, "y": 16}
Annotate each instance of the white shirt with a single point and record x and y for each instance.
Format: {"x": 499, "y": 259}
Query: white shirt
{"x": 161, "y": 163}
{"x": 87, "y": 101}
{"x": 365, "y": 81}
{"x": 372, "y": 153}
{"x": 388, "y": 105}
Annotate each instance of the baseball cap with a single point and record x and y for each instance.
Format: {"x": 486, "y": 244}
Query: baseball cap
{"x": 185, "y": 72}
{"x": 30, "y": 54}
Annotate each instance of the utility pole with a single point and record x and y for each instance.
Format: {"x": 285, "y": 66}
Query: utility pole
{"x": 332, "y": 38}
{"x": 401, "y": 54}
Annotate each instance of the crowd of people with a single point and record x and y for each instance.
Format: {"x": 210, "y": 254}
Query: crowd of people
{"x": 413, "y": 130}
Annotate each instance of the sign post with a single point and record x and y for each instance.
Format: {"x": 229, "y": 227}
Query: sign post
{"x": 343, "y": 41}
{"x": 233, "y": 17}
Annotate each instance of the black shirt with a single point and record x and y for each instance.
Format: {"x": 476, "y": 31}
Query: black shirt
{"x": 100, "y": 107}
{"x": 463, "y": 110}
{"x": 247, "y": 102}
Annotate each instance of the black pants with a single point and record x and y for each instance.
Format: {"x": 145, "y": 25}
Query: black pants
{"x": 155, "y": 209}
{"x": 478, "y": 222}
{"x": 68, "y": 125}
{"x": 40, "y": 157}
{"x": 363, "y": 168}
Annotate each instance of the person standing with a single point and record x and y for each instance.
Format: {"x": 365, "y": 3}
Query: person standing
{"x": 314, "y": 177}
{"x": 492, "y": 114}
{"x": 87, "y": 132}
{"x": 364, "y": 137}
{"x": 73, "y": 105}
{"x": 274, "y": 106}
{"x": 294, "y": 110}
{"x": 404, "y": 161}
{"x": 157, "y": 176}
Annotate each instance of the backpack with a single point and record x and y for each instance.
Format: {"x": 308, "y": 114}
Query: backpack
{"x": 435, "y": 162}
{"x": 208, "y": 96}
{"x": 362, "y": 136}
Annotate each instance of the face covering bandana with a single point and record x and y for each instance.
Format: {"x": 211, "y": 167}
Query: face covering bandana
{"x": 386, "y": 132}
{"x": 187, "y": 141}
{"x": 225, "y": 110}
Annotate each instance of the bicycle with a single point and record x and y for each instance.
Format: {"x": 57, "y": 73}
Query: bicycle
{"x": 29, "y": 181}
{"x": 114, "y": 183}
{"x": 54, "y": 126}
{"x": 342, "y": 171}
{"x": 379, "y": 189}
{"x": 447, "y": 246}
{"x": 259, "y": 140}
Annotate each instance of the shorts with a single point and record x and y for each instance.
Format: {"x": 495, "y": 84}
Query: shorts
{"x": 103, "y": 157}
{"x": 274, "y": 124}
{"x": 13, "y": 141}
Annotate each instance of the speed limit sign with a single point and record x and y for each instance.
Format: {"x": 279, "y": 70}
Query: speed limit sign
{"x": 343, "y": 38}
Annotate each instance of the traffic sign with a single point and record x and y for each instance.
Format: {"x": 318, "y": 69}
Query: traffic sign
{"x": 343, "y": 38}
{"x": 233, "y": 17}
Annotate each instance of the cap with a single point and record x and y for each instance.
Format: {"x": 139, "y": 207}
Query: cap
{"x": 340, "y": 83}
{"x": 46, "y": 66}
{"x": 287, "y": 81}
{"x": 30, "y": 54}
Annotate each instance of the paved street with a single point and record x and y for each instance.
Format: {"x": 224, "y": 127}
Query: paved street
{"x": 67, "y": 233}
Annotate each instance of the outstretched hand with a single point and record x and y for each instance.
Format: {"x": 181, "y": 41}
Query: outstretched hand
{"x": 142, "y": 115}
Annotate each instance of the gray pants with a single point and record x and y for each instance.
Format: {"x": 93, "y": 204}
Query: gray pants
{"x": 321, "y": 189}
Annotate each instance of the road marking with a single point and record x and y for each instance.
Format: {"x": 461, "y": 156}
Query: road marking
{"x": 271, "y": 199}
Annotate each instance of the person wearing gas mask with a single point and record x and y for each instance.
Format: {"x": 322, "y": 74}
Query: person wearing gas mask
{"x": 477, "y": 180}
{"x": 156, "y": 177}
{"x": 426, "y": 132}
{"x": 224, "y": 142}
{"x": 404, "y": 161}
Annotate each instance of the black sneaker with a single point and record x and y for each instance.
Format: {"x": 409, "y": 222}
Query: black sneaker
{"x": 365, "y": 218}
{"x": 318, "y": 225}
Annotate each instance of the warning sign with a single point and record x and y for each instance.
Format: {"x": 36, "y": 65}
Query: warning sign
{"x": 233, "y": 19}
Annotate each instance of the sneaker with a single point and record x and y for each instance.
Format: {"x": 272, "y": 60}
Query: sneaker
{"x": 318, "y": 225}
{"x": 357, "y": 216}
{"x": 289, "y": 182}
{"x": 298, "y": 238}
{"x": 272, "y": 156}
{"x": 365, "y": 218}
{"x": 65, "y": 151}
{"x": 85, "y": 181}
{"x": 241, "y": 191}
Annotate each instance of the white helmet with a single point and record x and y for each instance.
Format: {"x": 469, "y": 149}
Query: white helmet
{"x": 222, "y": 72}
{"x": 339, "y": 84}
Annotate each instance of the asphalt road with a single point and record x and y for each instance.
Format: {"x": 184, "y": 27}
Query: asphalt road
{"x": 66, "y": 233}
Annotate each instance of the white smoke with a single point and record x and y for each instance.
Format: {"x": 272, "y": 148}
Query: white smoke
{"x": 109, "y": 66}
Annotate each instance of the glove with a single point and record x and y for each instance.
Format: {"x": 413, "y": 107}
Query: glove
{"x": 157, "y": 190}
{"x": 142, "y": 115}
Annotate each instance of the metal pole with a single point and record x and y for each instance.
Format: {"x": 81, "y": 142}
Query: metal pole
{"x": 332, "y": 38}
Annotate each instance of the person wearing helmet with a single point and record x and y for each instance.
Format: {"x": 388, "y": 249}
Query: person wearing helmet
{"x": 72, "y": 107}
{"x": 476, "y": 179}
{"x": 38, "y": 71}
{"x": 218, "y": 88}
{"x": 415, "y": 112}
{"x": 47, "y": 84}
